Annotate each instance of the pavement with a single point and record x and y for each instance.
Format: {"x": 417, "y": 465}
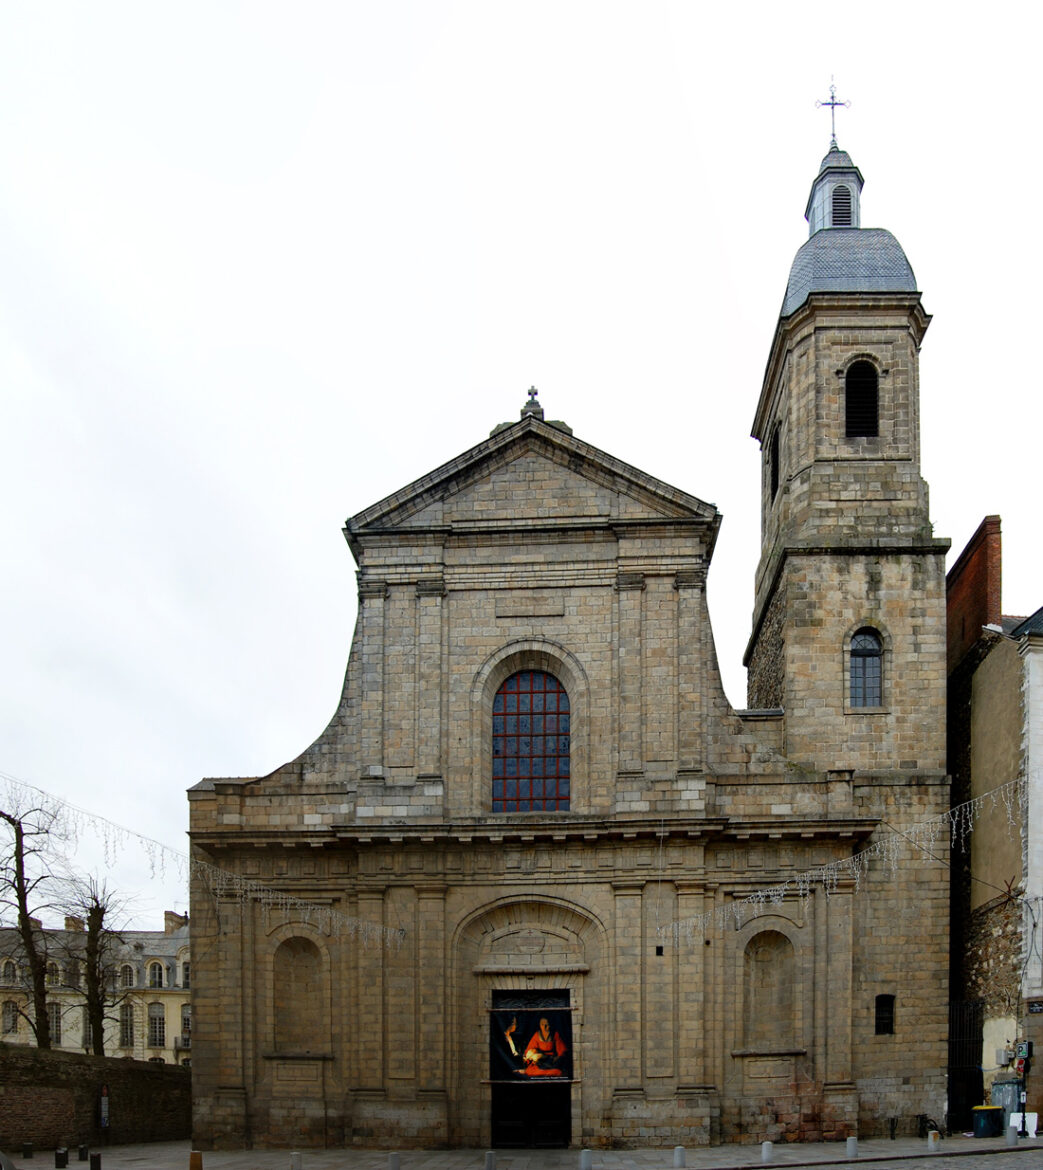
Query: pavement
{"x": 954, "y": 1153}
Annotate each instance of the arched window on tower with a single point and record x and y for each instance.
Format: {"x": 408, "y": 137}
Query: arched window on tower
{"x": 531, "y": 744}
{"x": 861, "y": 401}
{"x": 866, "y": 671}
{"x": 773, "y": 460}
{"x": 841, "y": 206}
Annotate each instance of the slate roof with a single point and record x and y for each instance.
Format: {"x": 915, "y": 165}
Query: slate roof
{"x": 837, "y": 158}
{"x": 862, "y": 260}
{"x": 1031, "y": 625}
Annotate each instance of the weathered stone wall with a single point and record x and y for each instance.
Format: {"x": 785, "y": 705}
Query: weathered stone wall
{"x": 766, "y": 668}
{"x": 53, "y": 1099}
{"x": 549, "y": 556}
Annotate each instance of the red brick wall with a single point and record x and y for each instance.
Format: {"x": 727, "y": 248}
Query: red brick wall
{"x": 973, "y": 590}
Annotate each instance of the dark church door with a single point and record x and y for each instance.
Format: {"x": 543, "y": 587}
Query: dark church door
{"x": 530, "y": 1067}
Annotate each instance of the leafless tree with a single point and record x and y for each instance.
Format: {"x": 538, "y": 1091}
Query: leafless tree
{"x": 27, "y": 888}
{"x": 97, "y": 949}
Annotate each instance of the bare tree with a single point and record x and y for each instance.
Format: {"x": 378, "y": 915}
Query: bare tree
{"x": 26, "y": 889}
{"x": 97, "y": 948}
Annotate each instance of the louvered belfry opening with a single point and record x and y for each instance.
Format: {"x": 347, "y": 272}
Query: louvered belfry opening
{"x": 861, "y": 401}
{"x": 841, "y": 206}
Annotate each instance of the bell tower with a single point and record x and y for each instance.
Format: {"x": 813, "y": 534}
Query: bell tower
{"x": 849, "y": 615}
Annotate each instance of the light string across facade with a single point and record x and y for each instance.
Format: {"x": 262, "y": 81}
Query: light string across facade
{"x": 952, "y": 827}
{"x": 67, "y": 823}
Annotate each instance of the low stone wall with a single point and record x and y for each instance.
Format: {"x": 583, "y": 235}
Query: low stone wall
{"x": 53, "y": 1099}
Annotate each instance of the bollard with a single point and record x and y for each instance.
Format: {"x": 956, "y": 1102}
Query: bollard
{"x": 393, "y": 1161}
{"x": 61, "y": 1159}
{"x": 852, "y": 1147}
{"x": 195, "y": 1160}
{"x": 586, "y": 1160}
{"x": 27, "y": 1149}
{"x": 766, "y": 1152}
{"x": 490, "y": 1160}
{"x": 1012, "y": 1135}
{"x": 84, "y": 1153}
{"x": 678, "y": 1157}
{"x": 95, "y": 1161}
{"x": 295, "y": 1160}
{"x": 934, "y": 1142}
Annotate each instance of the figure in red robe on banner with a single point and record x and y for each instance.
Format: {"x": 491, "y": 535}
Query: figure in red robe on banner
{"x": 542, "y": 1053}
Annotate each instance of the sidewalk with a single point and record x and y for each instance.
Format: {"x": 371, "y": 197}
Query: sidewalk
{"x": 175, "y": 1156}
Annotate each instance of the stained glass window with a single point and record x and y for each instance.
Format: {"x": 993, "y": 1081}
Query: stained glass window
{"x": 531, "y": 744}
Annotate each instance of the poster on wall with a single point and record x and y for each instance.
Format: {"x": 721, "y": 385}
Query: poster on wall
{"x": 530, "y": 1045}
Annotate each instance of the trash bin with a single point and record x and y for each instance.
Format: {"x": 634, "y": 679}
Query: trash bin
{"x": 988, "y": 1121}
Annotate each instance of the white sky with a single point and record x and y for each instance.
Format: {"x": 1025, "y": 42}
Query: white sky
{"x": 262, "y": 264}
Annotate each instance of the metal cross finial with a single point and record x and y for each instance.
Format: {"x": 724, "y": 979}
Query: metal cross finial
{"x": 833, "y": 104}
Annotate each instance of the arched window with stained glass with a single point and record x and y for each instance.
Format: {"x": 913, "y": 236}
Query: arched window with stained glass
{"x": 531, "y": 744}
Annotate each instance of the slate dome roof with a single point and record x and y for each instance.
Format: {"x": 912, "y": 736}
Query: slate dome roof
{"x": 863, "y": 260}
{"x": 837, "y": 158}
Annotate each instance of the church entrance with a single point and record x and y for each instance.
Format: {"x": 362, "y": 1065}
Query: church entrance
{"x": 530, "y": 1067}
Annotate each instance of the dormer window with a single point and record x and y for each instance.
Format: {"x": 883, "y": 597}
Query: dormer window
{"x": 841, "y": 206}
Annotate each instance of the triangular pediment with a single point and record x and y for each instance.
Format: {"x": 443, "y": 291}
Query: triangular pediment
{"x": 531, "y": 472}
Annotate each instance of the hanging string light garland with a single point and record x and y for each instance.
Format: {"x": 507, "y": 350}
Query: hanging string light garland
{"x": 951, "y": 829}
{"x": 66, "y": 823}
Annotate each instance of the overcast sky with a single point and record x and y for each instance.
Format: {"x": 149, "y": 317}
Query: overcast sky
{"x": 262, "y": 264}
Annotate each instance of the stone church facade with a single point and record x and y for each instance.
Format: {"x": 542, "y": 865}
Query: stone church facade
{"x": 516, "y": 894}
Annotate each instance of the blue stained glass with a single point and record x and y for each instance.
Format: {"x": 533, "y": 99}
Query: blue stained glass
{"x": 530, "y": 744}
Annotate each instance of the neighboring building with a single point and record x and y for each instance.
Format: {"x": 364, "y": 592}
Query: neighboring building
{"x": 995, "y": 742}
{"x": 534, "y": 771}
{"x": 149, "y": 1016}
